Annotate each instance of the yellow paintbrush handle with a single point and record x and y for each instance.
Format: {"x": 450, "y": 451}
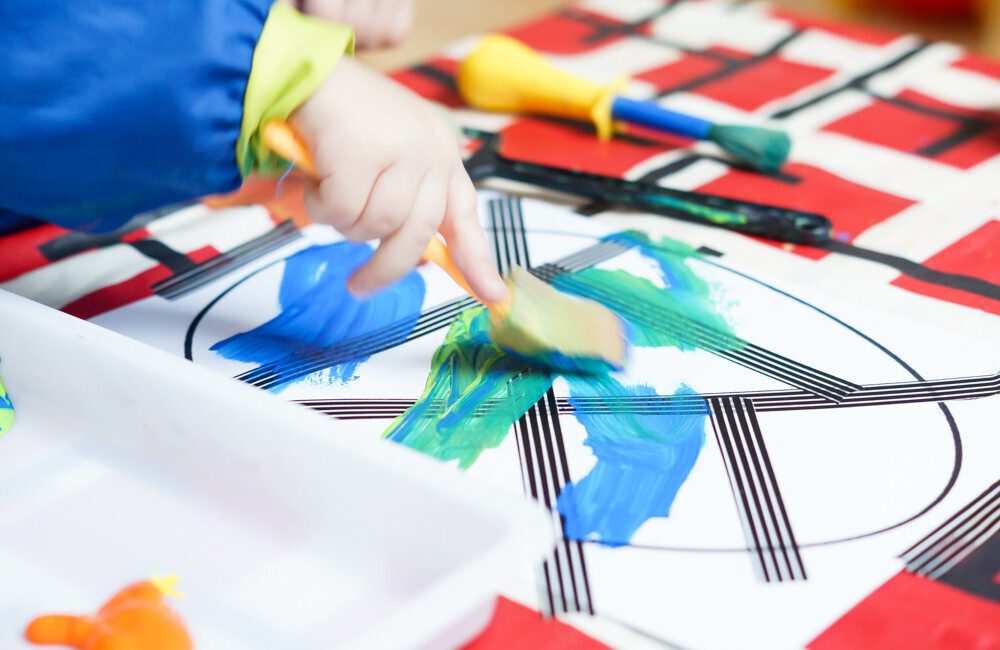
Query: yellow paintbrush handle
{"x": 284, "y": 141}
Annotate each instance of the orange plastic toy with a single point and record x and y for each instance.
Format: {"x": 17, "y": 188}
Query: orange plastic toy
{"x": 136, "y": 618}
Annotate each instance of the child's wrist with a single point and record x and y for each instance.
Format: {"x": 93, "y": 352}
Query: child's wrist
{"x": 294, "y": 56}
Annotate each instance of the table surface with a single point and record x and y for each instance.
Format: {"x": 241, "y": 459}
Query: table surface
{"x": 439, "y": 22}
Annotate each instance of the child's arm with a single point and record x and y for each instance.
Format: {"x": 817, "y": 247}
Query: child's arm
{"x": 110, "y": 108}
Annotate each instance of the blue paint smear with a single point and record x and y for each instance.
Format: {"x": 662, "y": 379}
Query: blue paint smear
{"x": 642, "y": 460}
{"x": 318, "y": 313}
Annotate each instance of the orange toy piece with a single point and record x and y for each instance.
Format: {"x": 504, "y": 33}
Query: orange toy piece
{"x": 136, "y": 618}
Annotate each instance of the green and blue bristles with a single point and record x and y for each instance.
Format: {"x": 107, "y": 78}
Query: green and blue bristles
{"x": 761, "y": 148}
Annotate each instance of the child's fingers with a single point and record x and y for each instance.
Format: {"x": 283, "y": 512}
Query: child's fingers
{"x": 402, "y": 21}
{"x": 401, "y": 251}
{"x": 466, "y": 240}
{"x": 340, "y": 198}
{"x": 357, "y": 15}
{"x": 380, "y": 17}
{"x": 388, "y": 204}
{"x": 394, "y": 19}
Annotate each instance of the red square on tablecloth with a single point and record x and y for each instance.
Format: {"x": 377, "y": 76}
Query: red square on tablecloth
{"x": 436, "y": 83}
{"x": 978, "y": 255}
{"x": 910, "y": 611}
{"x": 751, "y": 87}
{"x": 916, "y": 122}
{"x": 569, "y": 33}
{"x": 577, "y": 147}
{"x": 979, "y": 64}
{"x": 677, "y": 73}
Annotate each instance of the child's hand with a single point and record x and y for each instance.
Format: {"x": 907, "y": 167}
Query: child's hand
{"x": 390, "y": 169}
{"x": 376, "y": 23}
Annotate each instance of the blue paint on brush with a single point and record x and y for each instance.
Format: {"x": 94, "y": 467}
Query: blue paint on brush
{"x": 322, "y": 327}
{"x": 642, "y": 460}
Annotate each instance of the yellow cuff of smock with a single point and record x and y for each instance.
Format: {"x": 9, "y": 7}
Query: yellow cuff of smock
{"x": 294, "y": 56}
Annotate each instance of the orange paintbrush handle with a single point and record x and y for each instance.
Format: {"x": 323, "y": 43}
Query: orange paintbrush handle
{"x": 284, "y": 141}
{"x": 437, "y": 253}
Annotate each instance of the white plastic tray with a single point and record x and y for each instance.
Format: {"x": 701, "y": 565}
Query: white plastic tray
{"x": 287, "y": 529}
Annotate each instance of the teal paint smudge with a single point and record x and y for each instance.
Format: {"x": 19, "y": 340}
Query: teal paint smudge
{"x": 318, "y": 313}
{"x": 474, "y": 393}
{"x": 642, "y": 460}
{"x": 6, "y": 410}
{"x": 643, "y": 304}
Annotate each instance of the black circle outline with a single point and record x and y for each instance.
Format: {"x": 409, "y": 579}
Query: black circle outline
{"x": 949, "y": 417}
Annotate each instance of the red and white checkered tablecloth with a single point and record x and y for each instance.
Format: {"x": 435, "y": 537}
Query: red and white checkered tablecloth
{"x": 897, "y": 141}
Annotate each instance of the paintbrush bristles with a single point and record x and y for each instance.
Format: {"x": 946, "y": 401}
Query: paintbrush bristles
{"x": 762, "y": 148}
{"x": 556, "y": 331}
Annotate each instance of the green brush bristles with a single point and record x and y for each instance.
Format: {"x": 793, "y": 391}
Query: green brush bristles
{"x": 762, "y": 148}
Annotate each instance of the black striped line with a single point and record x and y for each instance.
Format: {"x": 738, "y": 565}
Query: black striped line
{"x": 545, "y": 470}
{"x": 710, "y": 339}
{"x": 563, "y": 577}
{"x": 200, "y": 274}
{"x": 858, "y": 82}
{"x": 888, "y": 394}
{"x": 958, "y": 537}
{"x": 763, "y": 401}
{"x": 766, "y": 527}
{"x": 305, "y": 363}
{"x": 437, "y": 318}
{"x": 508, "y": 254}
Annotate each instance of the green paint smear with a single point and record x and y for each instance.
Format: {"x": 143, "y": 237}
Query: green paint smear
{"x": 713, "y": 215}
{"x": 6, "y": 411}
{"x": 474, "y": 393}
{"x": 685, "y": 315}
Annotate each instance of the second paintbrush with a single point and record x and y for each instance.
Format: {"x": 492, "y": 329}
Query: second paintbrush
{"x": 769, "y": 221}
{"x": 503, "y": 74}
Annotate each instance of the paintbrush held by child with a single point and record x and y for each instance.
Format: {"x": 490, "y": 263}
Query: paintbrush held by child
{"x": 110, "y": 109}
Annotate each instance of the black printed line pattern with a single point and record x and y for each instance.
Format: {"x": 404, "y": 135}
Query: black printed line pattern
{"x": 768, "y": 531}
{"x": 944, "y": 548}
{"x": 766, "y": 527}
{"x": 434, "y": 319}
{"x": 968, "y": 125}
{"x": 939, "y": 390}
{"x": 197, "y": 275}
{"x": 545, "y": 470}
{"x": 708, "y": 338}
{"x": 562, "y": 579}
